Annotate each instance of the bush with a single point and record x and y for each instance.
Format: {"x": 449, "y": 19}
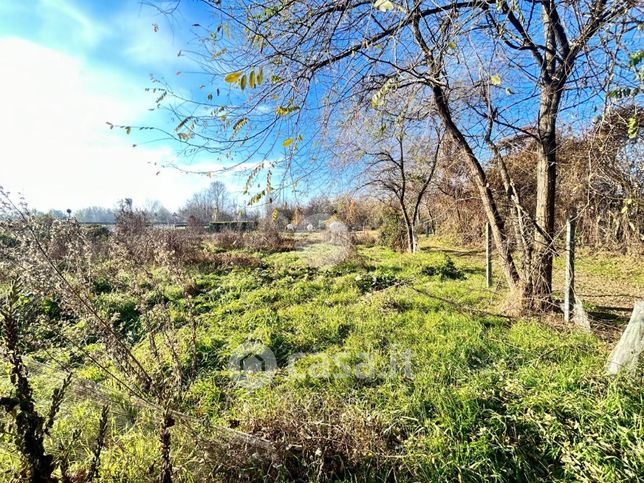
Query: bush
{"x": 270, "y": 241}
{"x": 376, "y": 281}
{"x": 364, "y": 238}
{"x": 97, "y": 233}
{"x": 324, "y": 439}
{"x": 392, "y": 232}
{"x": 228, "y": 239}
{"x": 123, "y": 311}
{"x": 446, "y": 270}
{"x": 7, "y": 241}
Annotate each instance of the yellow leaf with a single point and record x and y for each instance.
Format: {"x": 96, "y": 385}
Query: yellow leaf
{"x": 384, "y": 5}
{"x": 378, "y": 98}
{"x": 260, "y": 76}
{"x": 251, "y": 80}
{"x": 495, "y": 80}
{"x": 287, "y": 142}
{"x": 238, "y": 125}
{"x": 242, "y": 82}
{"x": 284, "y": 110}
{"x": 233, "y": 77}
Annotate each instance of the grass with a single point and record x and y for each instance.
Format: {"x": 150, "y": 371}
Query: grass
{"x": 608, "y": 284}
{"x": 377, "y": 379}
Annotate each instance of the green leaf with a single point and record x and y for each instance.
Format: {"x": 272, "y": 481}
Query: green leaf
{"x": 635, "y": 58}
{"x": 260, "y": 76}
{"x": 623, "y": 92}
{"x": 242, "y": 82}
{"x": 233, "y": 77}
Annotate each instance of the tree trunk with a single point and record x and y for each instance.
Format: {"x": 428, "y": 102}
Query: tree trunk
{"x": 409, "y": 228}
{"x": 541, "y": 290}
{"x": 487, "y": 198}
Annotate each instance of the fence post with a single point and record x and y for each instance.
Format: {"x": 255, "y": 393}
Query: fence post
{"x": 488, "y": 255}
{"x": 569, "y": 295}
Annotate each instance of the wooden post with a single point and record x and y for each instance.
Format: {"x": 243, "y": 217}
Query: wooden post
{"x": 488, "y": 255}
{"x": 569, "y": 294}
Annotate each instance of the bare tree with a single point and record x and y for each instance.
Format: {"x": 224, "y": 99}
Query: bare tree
{"x": 492, "y": 68}
{"x": 397, "y": 151}
{"x": 210, "y": 204}
{"x": 156, "y": 212}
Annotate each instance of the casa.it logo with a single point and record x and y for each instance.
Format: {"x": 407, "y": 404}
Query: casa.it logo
{"x": 252, "y": 365}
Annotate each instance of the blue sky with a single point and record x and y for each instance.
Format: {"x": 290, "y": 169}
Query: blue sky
{"x": 68, "y": 67}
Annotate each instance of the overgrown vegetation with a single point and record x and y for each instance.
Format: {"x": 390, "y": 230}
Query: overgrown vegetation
{"x": 325, "y": 325}
{"x": 389, "y": 365}
{"x": 446, "y": 270}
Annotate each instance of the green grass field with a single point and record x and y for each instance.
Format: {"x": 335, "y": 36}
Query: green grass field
{"x": 389, "y": 366}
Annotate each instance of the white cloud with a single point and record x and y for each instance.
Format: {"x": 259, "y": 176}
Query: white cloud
{"x": 148, "y": 48}
{"x": 56, "y": 148}
{"x": 89, "y": 31}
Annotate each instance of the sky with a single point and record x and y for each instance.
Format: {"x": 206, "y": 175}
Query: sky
{"x": 67, "y": 68}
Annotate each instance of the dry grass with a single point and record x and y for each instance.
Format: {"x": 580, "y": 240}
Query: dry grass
{"x": 322, "y": 439}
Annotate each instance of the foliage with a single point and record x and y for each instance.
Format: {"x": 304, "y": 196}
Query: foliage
{"x": 447, "y": 270}
{"x": 392, "y": 232}
{"x": 376, "y": 281}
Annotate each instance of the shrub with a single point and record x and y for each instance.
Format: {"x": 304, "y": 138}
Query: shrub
{"x": 270, "y": 241}
{"x": 223, "y": 260}
{"x": 97, "y": 233}
{"x": 101, "y": 284}
{"x": 446, "y": 270}
{"x": 130, "y": 223}
{"x": 123, "y": 310}
{"x": 228, "y": 239}
{"x": 376, "y": 281}
{"x": 364, "y": 238}
{"x": 7, "y": 241}
{"x": 392, "y": 232}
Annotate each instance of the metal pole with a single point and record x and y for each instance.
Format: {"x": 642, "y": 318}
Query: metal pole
{"x": 488, "y": 255}
{"x": 569, "y": 295}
